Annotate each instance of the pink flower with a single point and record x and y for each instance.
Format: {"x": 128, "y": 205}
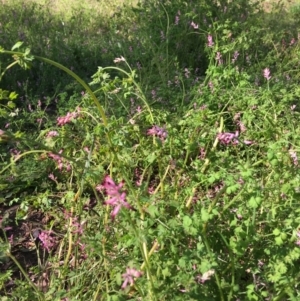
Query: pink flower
{"x": 226, "y": 138}
{"x": 129, "y": 276}
{"x": 119, "y": 59}
{"x": 206, "y": 276}
{"x": 62, "y": 120}
{"x": 52, "y": 177}
{"x": 210, "y": 42}
{"x": 294, "y": 157}
{"x": 219, "y": 58}
{"x": 248, "y": 142}
{"x": 267, "y": 73}
{"x": 235, "y": 56}
{"x": 117, "y": 199}
{"x": 194, "y": 25}
{"x": 52, "y": 134}
{"x": 60, "y": 161}
{"x": 159, "y": 132}
{"x": 47, "y": 239}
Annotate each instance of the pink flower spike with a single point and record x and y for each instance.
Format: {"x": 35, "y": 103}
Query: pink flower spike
{"x": 117, "y": 199}
{"x": 159, "y": 132}
{"x": 194, "y": 25}
{"x": 267, "y": 74}
{"x": 210, "y": 42}
{"x": 226, "y": 138}
{"x": 119, "y": 59}
{"x": 52, "y": 134}
{"x": 129, "y": 277}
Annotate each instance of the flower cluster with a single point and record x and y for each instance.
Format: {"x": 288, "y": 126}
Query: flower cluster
{"x": 117, "y": 199}
{"x": 267, "y": 74}
{"x": 47, "y": 239}
{"x": 226, "y": 138}
{"x": 210, "y": 42}
{"x": 52, "y": 134}
{"x": 119, "y": 59}
{"x": 194, "y": 25}
{"x": 59, "y": 160}
{"x": 294, "y": 157}
{"x": 159, "y": 132}
{"x": 62, "y": 120}
{"x": 129, "y": 276}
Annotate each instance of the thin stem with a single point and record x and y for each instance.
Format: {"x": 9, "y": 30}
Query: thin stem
{"x": 24, "y": 273}
{"x": 74, "y": 75}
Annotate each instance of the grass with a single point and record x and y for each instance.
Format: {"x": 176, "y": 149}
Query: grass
{"x": 149, "y": 151}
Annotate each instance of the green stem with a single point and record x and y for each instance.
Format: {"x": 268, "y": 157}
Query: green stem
{"x": 24, "y": 273}
{"x": 71, "y": 73}
{"x": 205, "y": 240}
{"x": 8, "y": 67}
{"x": 142, "y": 96}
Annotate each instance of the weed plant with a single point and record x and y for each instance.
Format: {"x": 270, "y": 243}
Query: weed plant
{"x": 151, "y": 154}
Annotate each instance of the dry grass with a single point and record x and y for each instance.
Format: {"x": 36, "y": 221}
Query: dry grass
{"x": 268, "y": 4}
{"x": 65, "y": 7}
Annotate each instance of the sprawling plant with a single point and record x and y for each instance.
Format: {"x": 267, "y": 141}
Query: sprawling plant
{"x": 165, "y": 168}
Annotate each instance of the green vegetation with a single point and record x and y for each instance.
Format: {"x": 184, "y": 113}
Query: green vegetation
{"x": 149, "y": 150}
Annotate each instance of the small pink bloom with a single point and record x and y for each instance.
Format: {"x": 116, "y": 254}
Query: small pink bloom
{"x": 52, "y": 134}
{"x": 293, "y": 41}
{"x": 159, "y": 132}
{"x": 248, "y": 142}
{"x": 194, "y": 25}
{"x": 62, "y": 120}
{"x": 119, "y": 59}
{"x": 219, "y": 58}
{"x": 267, "y": 74}
{"x": 52, "y": 177}
{"x": 86, "y": 149}
{"x": 129, "y": 277}
{"x": 235, "y": 56}
{"x": 117, "y": 199}
{"x": 294, "y": 157}
{"x": 206, "y": 276}
{"x": 226, "y": 138}
{"x": 210, "y": 42}
{"x": 47, "y": 239}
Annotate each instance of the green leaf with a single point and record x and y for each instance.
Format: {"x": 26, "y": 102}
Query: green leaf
{"x": 166, "y": 272}
{"x": 13, "y": 95}
{"x": 17, "y": 45}
{"x": 278, "y": 241}
{"x": 187, "y": 221}
{"x": 276, "y": 232}
{"x": 151, "y": 158}
{"x": 152, "y": 210}
{"x": 254, "y": 202}
{"x": 11, "y": 105}
{"x": 205, "y": 216}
